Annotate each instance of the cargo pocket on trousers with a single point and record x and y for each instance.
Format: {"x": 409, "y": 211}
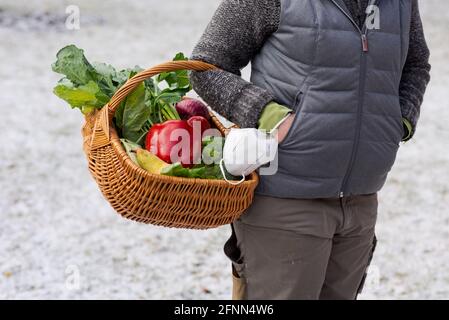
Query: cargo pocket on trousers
{"x": 233, "y": 252}
{"x": 362, "y": 283}
{"x": 238, "y": 285}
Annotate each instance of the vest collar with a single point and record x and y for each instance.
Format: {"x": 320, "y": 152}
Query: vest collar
{"x": 342, "y": 6}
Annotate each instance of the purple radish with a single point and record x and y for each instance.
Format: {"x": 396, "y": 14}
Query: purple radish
{"x": 189, "y": 107}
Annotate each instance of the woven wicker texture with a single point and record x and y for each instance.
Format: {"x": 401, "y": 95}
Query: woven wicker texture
{"x": 156, "y": 199}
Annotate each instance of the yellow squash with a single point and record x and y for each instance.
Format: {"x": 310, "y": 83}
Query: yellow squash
{"x": 150, "y": 162}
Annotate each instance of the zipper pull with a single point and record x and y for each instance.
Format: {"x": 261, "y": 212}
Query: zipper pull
{"x": 364, "y": 43}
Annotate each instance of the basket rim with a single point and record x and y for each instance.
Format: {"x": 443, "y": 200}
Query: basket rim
{"x": 252, "y": 179}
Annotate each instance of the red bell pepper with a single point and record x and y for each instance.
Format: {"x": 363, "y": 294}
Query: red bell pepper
{"x": 177, "y": 140}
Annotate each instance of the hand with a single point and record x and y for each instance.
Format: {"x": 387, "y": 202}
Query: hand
{"x": 245, "y": 150}
{"x": 285, "y": 127}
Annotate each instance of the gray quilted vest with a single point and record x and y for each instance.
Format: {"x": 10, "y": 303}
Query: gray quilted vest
{"x": 343, "y": 83}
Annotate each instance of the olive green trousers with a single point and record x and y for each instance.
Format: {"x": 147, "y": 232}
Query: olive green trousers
{"x": 302, "y": 249}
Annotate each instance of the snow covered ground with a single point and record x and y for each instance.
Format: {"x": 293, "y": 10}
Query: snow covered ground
{"x": 60, "y": 239}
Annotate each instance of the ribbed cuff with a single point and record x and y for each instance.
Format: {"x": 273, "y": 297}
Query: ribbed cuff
{"x": 271, "y": 115}
{"x": 408, "y": 128}
{"x": 410, "y": 116}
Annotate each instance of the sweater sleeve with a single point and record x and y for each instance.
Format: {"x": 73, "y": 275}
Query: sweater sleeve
{"x": 235, "y": 34}
{"x": 416, "y": 73}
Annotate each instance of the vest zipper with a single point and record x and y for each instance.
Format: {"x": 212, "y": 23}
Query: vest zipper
{"x": 364, "y": 43}
{"x": 364, "y": 50}
{"x": 358, "y": 124}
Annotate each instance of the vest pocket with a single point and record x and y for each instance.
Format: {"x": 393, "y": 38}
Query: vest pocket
{"x": 297, "y": 107}
{"x": 399, "y": 119}
{"x": 400, "y": 130}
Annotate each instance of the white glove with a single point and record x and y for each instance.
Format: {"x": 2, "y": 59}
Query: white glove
{"x": 246, "y": 150}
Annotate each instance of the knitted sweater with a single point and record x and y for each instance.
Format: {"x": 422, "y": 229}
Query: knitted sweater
{"x": 239, "y": 29}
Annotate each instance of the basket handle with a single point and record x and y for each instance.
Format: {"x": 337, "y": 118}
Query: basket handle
{"x": 132, "y": 83}
{"x": 101, "y": 135}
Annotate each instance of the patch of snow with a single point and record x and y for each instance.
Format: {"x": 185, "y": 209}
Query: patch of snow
{"x": 59, "y": 239}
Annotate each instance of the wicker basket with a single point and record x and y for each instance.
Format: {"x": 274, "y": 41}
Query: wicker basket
{"x": 156, "y": 199}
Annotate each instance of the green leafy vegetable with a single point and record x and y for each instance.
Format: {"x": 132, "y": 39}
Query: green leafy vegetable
{"x": 105, "y": 75}
{"x": 199, "y": 171}
{"x": 135, "y": 115}
{"x": 177, "y": 170}
{"x": 176, "y": 80}
{"x": 89, "y": 86}
{"x": 72, "y": 63}
{"x": 178, "y": 85}
{"x": 122, "y": 76}
{"x": 214, "y": 172}
{"x": 212, "y": 149}
{"x": 131, "y": 149}
{"x": 84, "y": 96}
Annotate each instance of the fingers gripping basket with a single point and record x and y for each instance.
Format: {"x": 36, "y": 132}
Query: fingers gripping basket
{"x": 156, "y": 199}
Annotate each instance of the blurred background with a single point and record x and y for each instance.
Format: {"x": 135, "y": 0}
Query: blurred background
{"x": 59, "y": 239}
